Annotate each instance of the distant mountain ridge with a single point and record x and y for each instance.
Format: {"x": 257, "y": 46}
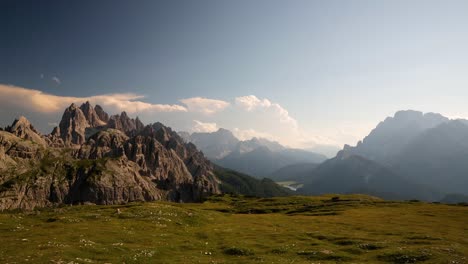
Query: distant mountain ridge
{"x": 257, "y": 157}
{"x": 355, "y": 174}
{"x": 394, "y": 133}
{"x": 428, "y": 152}
{"x": 298, "y": 172}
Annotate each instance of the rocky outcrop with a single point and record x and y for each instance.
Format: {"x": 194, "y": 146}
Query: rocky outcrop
{"x": 120, "y": 162}
{"x": 79, "y": 123}
{"x": 22, "y": 128}
{"x": 73, "y": 126}
{"x": 103, "y": 116}
{"x": 54, "y": 139}
{"x": 91, "y": 115}
{"x": 124, "y": 123}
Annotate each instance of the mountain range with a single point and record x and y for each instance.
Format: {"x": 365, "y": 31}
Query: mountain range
{"x": 427, "y": 152}
{"x": 258, "y": 157}
{"x": 92, "y": 157}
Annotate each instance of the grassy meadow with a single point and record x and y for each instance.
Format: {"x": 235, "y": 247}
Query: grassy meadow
{"x": 226, "y": 229}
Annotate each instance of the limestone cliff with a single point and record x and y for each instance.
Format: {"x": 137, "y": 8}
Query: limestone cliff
{"x": 91, "y": 158}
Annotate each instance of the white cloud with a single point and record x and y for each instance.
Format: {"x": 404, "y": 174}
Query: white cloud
{"x": 199, "y": 126}
{"x": 56, "y": 80}
{"x": 39, "y": 101}
{"x": 251, "y": 103}
{"x": 267, "y": 119}
{"x": 204, "y": 105}
{"x": 249, "y": 117}
{"x": 246, "y": 134}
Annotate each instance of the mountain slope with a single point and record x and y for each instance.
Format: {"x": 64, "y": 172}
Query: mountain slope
{"x": 299, "y": 172}
{"x": 214, "y": 145}
{"x": 258, "y": 157}
{"x": 427, "y": 149}
{"x": 437, "y": 157}
{"x": 392, "y": 135}
{"x": 355, "y": 174}
{"x": 261, "y": 161}
{"x": 238, "y": 183}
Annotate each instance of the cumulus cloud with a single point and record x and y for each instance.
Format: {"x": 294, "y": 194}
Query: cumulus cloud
{"x": 204, "y": 105}
{"x": 47, "y": 103}
{"x": 56, "y": 80}
{"x": 246, "y": 134}
{"x": 199, "y": 126}
{"x": 248, "y": 117}
{"x": 251, "y": 103}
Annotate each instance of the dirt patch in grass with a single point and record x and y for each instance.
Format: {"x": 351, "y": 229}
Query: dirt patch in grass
{"x": 237, "y": 251}
{"x": 404, "y": 257}
{"x": 369, "y": 246}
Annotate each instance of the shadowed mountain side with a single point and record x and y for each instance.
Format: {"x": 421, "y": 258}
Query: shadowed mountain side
{"x": 261, "y": 162}
{"x": 238, "y": 183}
{"x": 426, "y": 149}
{"x": 392, "y": 135}
{"x": 355, "y": 174}
{"x": 299, "y": 172}
{"x": 437, "y": 157}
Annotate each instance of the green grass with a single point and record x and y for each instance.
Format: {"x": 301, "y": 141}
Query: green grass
{"x": 224, "y": 229}
{"x": 234, "y": 182}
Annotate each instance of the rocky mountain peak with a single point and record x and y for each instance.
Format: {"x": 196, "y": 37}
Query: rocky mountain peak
{"x": 73, "y": 125}
{"x": 138, "y": 124}
{"x": 124, "y": 123}
{"x": 101, "y": 113}
{"x": 391, "y": 135}
{"x": 22, "y": 128}
{"x": 21, "y": 122}
{"x": 113, "y": 163}
{"x": 91, "y": 115}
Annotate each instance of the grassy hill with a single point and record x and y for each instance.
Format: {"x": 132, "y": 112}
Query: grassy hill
{"x": 225, "y": 229}
{"x": 234, "y": 182}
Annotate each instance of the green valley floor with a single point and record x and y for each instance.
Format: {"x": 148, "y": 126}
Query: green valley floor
{"x": 226, "y": 229}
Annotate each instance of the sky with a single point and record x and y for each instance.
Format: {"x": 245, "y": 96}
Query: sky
{"x": 304, "y": 73}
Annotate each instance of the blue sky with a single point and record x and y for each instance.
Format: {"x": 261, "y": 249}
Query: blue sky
{"x": 336, "y": 67}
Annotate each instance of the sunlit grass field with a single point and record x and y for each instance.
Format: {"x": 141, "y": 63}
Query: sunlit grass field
{"x": 225, "y": 229}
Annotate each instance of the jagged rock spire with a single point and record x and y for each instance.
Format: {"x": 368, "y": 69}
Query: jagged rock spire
{"x": 101, "y": 114}
{"x": 73, "y": 125}
{"x": 91, "y": 115}
{"x": 22, "y": 128}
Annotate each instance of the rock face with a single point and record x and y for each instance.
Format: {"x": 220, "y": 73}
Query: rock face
{"x": 96, "y": 159}
{"x": 91, "y": 115}
{"x": 101, "y": 114}
{"x": 125, "y": 123}
{"x": 73, "y": 126}
{"x": 22, "y": 128}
